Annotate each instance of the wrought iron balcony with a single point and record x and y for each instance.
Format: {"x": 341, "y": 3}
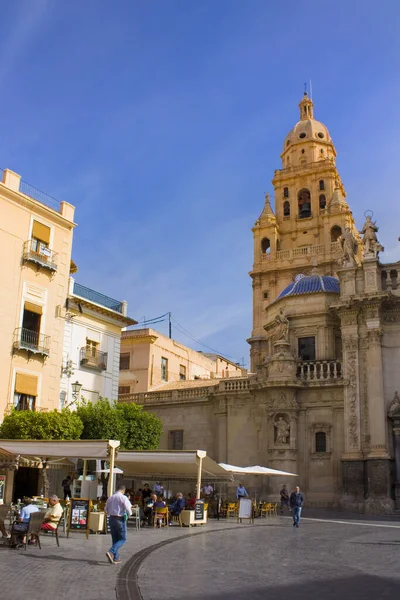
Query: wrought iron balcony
{"x": 25, "y": 339}
{"x": 93, "y": 359}
{"x": 40, "y": 254}
{"x": 323, "y": 370}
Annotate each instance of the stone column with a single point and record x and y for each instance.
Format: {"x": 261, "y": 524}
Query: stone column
{"x": 395, "y": 417}
{"x": 376, "y": 402}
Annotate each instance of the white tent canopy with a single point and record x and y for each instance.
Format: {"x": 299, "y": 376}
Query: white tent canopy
{"x": 177, "y": 464}
{"x": 256, "y": 470}
{"x": 86, "y": 449}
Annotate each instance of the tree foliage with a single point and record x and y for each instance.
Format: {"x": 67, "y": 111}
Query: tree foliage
{"x": 30, "y": 425}
{"x": 129, "y": 423}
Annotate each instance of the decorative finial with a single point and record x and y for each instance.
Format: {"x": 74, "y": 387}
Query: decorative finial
{"x": 305, "y": 88}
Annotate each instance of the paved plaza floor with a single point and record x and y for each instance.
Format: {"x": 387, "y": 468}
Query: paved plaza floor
{"x": 329, "y": 556}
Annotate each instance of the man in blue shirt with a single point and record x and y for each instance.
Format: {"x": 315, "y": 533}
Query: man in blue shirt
{"x": 296, "y": 504}
{"x": 27, "y": 510}
{"x": 177, "y": 507}
{"x": 241, "y": 492}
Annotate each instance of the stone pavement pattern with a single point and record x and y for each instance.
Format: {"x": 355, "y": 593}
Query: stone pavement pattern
{"x": 318, "y": 560}
{"x": 270, "y": 559}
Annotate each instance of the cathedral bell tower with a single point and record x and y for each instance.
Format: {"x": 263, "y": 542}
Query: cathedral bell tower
{"x": 310, "y": 215}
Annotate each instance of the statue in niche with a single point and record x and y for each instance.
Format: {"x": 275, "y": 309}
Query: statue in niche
{"x": 281, "y": 333}
{"x": 395, "y": 405}
{"x": 349, "y": 248}
{"x": 370, "y": 241}
{"x": 282, "y": 431}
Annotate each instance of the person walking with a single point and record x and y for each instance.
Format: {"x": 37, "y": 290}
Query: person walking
{"x": 296, "y": 504}
{"x": 117, "y": 508}
{"x": 66, "y": 484}
{"x": 284, "y": 498}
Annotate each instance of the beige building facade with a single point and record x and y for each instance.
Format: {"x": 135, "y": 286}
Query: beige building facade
{"x": 150, "y": 360}
{"x": 35, "y": 243}
{"x": 323, "y": 399}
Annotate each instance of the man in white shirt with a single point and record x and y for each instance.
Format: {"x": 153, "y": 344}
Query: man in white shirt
{"x": 208, "y": 490}
{"x": 118, "y": 508}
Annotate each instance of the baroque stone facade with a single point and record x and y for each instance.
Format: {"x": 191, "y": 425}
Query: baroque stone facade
{"x": 322, "y": 396}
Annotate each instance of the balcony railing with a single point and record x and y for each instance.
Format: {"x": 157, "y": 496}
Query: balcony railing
{"x": 40, "y": 254}
{"x": 313, "y": 370}
{"x": 93, "y": 296}
{"x": 93, "y": 359}
{"x": 331, "y": 249}
{"x": 25, "y": 339}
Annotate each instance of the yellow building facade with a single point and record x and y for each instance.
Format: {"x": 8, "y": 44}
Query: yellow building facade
{"x": 35, "y": 243}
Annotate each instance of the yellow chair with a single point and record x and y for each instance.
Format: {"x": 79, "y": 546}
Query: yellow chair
{"x": 161, "y": 517}
{"x": 231, "y": 510}
{"x": 265, "y": 509}
{"x": 177, "y": 519}
{"x": 274, "y": 509}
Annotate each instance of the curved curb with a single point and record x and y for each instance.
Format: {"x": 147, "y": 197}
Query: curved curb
{"x": 127, "y": 586}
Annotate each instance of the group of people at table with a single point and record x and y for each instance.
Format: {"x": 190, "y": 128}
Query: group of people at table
{"x": 19, "y": 527}
{"x": 148, "y": 501}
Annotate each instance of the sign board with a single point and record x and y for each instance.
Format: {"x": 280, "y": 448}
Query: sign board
{"x": 2, "y": 488}
{"x": 78, "y": 519}
{"x": 107, "y": 524}
{"x": 245, "y": 509}
{"x": 199, "y": 510}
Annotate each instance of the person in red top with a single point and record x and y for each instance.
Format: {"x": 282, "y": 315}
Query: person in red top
{"x": 191, "y": 501}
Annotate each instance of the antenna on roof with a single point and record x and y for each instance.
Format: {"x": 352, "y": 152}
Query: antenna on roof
{"x": 310, "y": 89}
{"x": 305, "y": 88}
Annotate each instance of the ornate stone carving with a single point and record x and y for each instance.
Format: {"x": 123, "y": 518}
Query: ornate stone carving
{"x": 320, "y": 455}
{"x": 349, "y": 248}
{"x": 325, "y": 427}
{"x": 282, "y": 431}
{"x": 370, "y": 242}
{"x": 350, "y": 343}
{"x": 282, "y": 402}
{"x": 394, "y": 409}
{"x": 352, "y": 398}
{"x": 375, "y": 336}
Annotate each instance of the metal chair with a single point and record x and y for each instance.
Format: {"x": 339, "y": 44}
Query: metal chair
{"x": 136, "y": 517}
{"x": 34, "y": 528}
{"x": 161, "y": 514}
{"x": 177, "y": 518}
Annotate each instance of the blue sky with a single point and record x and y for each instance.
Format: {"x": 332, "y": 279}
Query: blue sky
{"x": 162, "y": 122}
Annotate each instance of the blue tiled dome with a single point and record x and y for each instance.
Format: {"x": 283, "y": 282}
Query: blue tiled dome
{"x": 311, "y": 284}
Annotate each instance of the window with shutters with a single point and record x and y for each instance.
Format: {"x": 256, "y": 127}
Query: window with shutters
{"x": 164, "y": 369}
{"x": 175, "y": 439}
{"x": 124, "y": 389}
{"x": 124, "y": 362}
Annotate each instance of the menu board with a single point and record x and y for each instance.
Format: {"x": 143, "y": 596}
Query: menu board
{"x": 245, "y": 509}
{"x": 2, "y": 488}
{"x": 79, "y": 515}
{"x": 199, "y": 510}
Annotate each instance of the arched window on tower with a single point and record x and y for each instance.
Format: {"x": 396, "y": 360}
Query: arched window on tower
{"x": 321, "y": 185}
{"x": 286, "y": 208}
{"x": 304, "y": 202}
{"x": 322, "y": 201}
{"x": 336, "y": 232}
{"x": 320, "y": 441}
{"x": 265, "y": 246}
{"x": 286, "y": 192}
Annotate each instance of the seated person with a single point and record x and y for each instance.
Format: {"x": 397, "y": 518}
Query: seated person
{"x": 53, "y": 515}
{"x": 159, "y": 503}
{"x": 21, "y": 526}
{"x": 148, "y": 508}
{"x": 191, "y": 501}
{"x": 177, "y": 507}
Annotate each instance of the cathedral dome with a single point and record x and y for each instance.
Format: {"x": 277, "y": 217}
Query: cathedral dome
{"x": 311, "y": 284}
{"x": 307, "y": 128}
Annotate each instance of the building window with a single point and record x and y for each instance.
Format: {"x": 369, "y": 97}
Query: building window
{"x": 24, "y": 402}
{"x": 31, "y": 324}
{"x": 321, "y": 185}
{"x": 265, "y": 245}
{"x": 164, "y": 369}
{"x": 336, "y": 232}
{"x": 40, "y": 237}
{"x": 182, "y": 372}
{"x": 320, "y": 441}
{"x": 265, "y": 294}
{"x": 92, "y": 348}
{"x": 306, "y": 347}
{"x": 124, "y": 389}
{"x": 124, "y": 362}
{"x": 304, "y": 202}
{"x": 175, "y": 439}
{"x": 286, "y": 208}
{"x": 322, "y": 201}
{"x": 286, "y": 192}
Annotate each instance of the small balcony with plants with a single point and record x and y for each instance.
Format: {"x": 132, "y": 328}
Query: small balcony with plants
{"x": 93, "y": 359}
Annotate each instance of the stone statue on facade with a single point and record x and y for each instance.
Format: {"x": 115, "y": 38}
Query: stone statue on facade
{"x": 282, "y": 431}
{"x": 281, "y": 332}
{"x": 370, "y": 241}
{"x": 395, "y": 405}
{"x": 349, "y": 247}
